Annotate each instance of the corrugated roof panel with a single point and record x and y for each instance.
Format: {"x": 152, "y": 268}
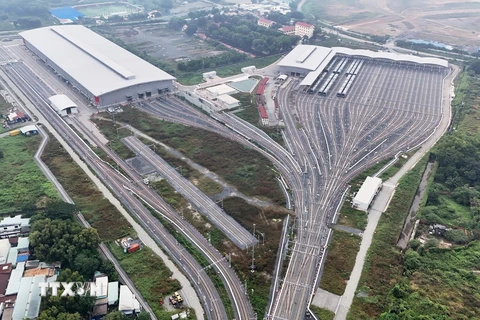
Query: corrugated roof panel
{"x": 101, "y": 67}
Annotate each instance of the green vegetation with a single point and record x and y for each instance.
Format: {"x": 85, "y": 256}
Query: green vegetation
{"x": 192, "y": 78}
{"x": 268, "y": 227}
{"x": 243, "y": 32}
{"x": 341, "y": 255}
{"x": 55, "y": 236}
{"x": 98, "y": 211}
{"x": 151, "y": 278}
{"x": 437, "y": 277}
{"x": 251, "y": 115}
{"x": 250, "y": 172}
{"x": 322, "y": 314}
{"x": 352, "y": 217}
{"x": 383, "y": 264}
{"x": 23, "y": 183}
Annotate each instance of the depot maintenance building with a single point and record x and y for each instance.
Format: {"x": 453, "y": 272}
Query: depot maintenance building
{"x": 102, "y": 71}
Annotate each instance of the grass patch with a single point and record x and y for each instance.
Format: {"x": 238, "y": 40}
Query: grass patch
{"x": 342, "y": 252}
{"x": 98, "y": 211}
{"x": 322, "y": 314}
{"x": 244, "y": 168}
{"x": 23, "y": 183}
{"x": 193, "y": 78}
{"x": 352, "y": 217}
{"x": 209, "y": 186}
{"x": 152, "y": 279}
{"x": 383, "y": 266}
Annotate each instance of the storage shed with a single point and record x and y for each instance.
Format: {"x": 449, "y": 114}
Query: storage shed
{"x": 367, "y": 192}
{"x": 63, "y": 105}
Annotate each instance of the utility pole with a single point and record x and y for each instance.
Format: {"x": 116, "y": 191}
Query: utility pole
{"x": 253, "y": 259}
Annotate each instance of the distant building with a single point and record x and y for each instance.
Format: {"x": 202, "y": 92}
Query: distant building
{"x": 14, "y": 226}
{"x": 367, "y": 192}
{"x": 265, "y": 22}
{"x": 30, "y": 130}
{"x": 288, "y": 30}
{"x": 209, "y": 75}
{"x": 228, "y": 102}
{"x": 304, "y": 29}
{"x": 127, "y": 303}
{"x": 263, "y": 115}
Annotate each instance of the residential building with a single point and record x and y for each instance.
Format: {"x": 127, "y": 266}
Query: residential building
{"x": 304, "y": 29}
{"x": 288, "y": 30}
{"x": 14, "y": 226}
{"x": 265, "y": 22}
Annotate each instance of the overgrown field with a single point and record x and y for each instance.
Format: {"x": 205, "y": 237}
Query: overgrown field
{"x": 99, "y": 212}
{"x": 383, "y": 267}
{"x": 244, "y": 168}
{"x": 23, "y": 183}
{"x": 341, "y": 255}
{"x": 322, "y": 314}
{"x": 151, "y": 278}
{"x": 147, "y": 270}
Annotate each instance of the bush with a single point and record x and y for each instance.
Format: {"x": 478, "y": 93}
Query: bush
{"x": 456, "y": 236}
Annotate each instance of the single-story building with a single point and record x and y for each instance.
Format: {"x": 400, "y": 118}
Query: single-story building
{"x": 30, "y": 130}
{"x": 227, "y": 101}
{"x": 63, "y": 105}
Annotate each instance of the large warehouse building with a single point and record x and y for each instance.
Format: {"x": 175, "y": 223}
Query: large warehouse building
{"x": 101, "y": 70}
{"x": 310, "y": 61}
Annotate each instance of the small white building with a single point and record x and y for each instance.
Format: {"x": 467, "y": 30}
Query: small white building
{"x": 265, "y": 22}
{"x": 112, "y": 293}
{"x": 63, "y": 105}
{"x": 127, "y": 303}
{"x": 29, "y": 130}
{"x": 249, "y": 69}
{"x": 209, "y": 75}
{"x": 228, "y": 102}
{"x": 367, "y": 192}
{"x": 219, "y": 90}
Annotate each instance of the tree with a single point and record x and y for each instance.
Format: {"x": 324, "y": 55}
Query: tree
{"x": 456, "y": 236}
{"x": 61, "y": 240}
{"x": 176, "y": 23}
{"x": 86, "y": 263}
{"x": 191, "y": 29}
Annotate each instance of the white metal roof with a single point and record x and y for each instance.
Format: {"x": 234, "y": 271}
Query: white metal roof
{"x": 127, "y": 301}
{"x": 28, "y": 300}
{"x": 221, "y": 89}
{"x": 368, "y": 190}
{"x": 61, "y": 102}
{"x": 15, "y": 278}
{"x": 23, "y": 243}
{"x": 96, "y": 63}
{"x": 101, "y": 284}
{"x": 316, "y": 58}
{"x": 15, "y": 220}
{"x": 112, "y": 292}
{"x": 4, "y": 250}
{"x": 227, "y": 99}
{"x": 306, "y": 57}
{"x": 28, "y": 128}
